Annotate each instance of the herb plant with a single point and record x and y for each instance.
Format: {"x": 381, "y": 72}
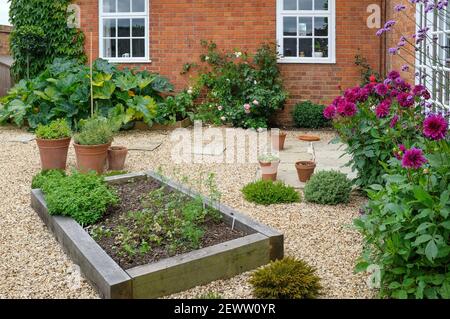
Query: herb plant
{"x": 95, "y": 131}
{"x": 268, "y": 193}
{"x": 328, "y": 188}
{"x": 45, "y": 176}
{"x": 55, "y": 130}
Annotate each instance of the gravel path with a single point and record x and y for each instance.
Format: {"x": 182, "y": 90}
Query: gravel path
{"x": 32, "y": 264}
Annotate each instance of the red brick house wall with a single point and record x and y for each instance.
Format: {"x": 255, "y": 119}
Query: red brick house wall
{"x": 4, "y": 39}
{"x": 177, "y": 26}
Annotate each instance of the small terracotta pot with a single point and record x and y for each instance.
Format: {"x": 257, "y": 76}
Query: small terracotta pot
{"x": 278, "y": 141}
{"x": 116, "y": 158}
{"x": 305, "y": 169}
{"x": 53, "y": 153}
{"x": 91, "y": 157}
{"x": 269, "y": 170}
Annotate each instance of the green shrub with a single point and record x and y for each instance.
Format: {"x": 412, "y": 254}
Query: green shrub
{"x": 62, "y": 90}
{"x": 309, "y": 115}
{"x": 328, "y": 188}
{"x": 95, "y": 131}
{"x": 44, "y": 176}
{"x": 286, "y": 279}
{"x": 268, "y": 193}
{"x": 41, "y": 34}
{"x": 84, "y": 197}
{"x": 55, "y": 130}
{"x": 241, "y": 89}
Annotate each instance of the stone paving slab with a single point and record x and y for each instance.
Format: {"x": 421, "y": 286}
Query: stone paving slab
{"x": 24, "y": 139}
{"x": 149, "y": 147}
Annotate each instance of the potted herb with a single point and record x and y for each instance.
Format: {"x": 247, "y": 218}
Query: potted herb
{"x": 305, "y": 169}
{"x": 116, "y": 157}
{"x": 318, "y": 51}
{"x": 92, "y": 144}
{"x": 278, "y": 140}
{"x": 269, "y": 166}
{"x": 53, "y": 141}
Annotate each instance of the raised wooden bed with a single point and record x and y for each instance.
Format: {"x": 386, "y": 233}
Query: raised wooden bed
{"x": 261, "y": 245}
{"x": 158, "y": 127}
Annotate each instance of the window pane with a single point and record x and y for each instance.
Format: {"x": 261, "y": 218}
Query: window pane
{"x": 138, "y": 5}
{"x": 123, "y": 5}
{"x": 321, "y": 48}
{"x": 124, "y": 27}
{"x": 305, "y": 4}
{"x": 290, "y": 26}
{"x": 321, "y": 27}
{"x": 109, "y": 48}
{"x": 290, "y": 47}
{"x": 109, "y": 28}
{"x": 305, "y": 47}
{"x": 290, "y": 4}
{"x": 109, "y": 5}
{"x": 304, "y": 26}
{"x": 321, "y": 5}
{"x": 124, "y": 48}
{"x": 138, "y": 48}
{"x": 138, "y": 27}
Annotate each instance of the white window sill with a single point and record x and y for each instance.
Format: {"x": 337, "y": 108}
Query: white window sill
{"x": 128, "y": 61}
{"x": 306, "y": 61}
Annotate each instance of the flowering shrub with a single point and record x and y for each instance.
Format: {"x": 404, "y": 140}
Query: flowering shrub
{"x": 241, "y": 89}
{"x": 375, "y": 119}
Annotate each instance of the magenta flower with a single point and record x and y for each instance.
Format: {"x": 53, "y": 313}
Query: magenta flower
{"x": 393, "y": 75}
{"x": 399, "y": 153}
{"x": 405, "y": 99}
{"x": 347, "y": 109}
{"x": 381, "y": 89}
{"x": 329, "y": 112}
{"x": 413, "y": 158}
{"x": 383, "y": 109}
{"x": 435, "y": 127}
{"x": 394, "y": 121}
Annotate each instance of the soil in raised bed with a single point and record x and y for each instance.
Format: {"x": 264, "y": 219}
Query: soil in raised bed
{"x": 131, "y": 194}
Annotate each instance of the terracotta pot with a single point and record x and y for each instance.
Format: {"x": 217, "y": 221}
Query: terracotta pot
{"x": 269, "y": 170}
{"x": 91, "y": 157}
{"x": 305, "y": 169}
{"x": 278, "y": 141}
{"x": 53, "y": 153}
{"x": 116, "y": 158}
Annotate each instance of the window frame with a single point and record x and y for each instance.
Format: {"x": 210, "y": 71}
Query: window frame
{"x": 330, "y": 14}
{"x": 130, "y": 15}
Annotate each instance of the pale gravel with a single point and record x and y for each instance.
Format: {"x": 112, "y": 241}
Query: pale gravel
{"x": 33, "y": 265}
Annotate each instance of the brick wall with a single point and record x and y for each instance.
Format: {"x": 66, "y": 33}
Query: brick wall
{"x": 4, "y": 39}
{"x": 405, "y": 26}
{"x": 177, "y": 26}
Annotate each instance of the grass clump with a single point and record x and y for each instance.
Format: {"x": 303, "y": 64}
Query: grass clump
{"x": 55, "y": 130}
{"x": 268, "y": 193}
{"x": 309, "y": 115}
{"x": 95, "y": 131}
{"x": 328, "y": 188}
{"x": 84, "y": 197}
{"x": 288, "y": 278}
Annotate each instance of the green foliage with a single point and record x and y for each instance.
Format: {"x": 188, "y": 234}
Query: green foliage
{"x": 55, "y": 130}
{"x": 62, "y": 90}
{"x": 286, "y": 279}
{"x": 44, "y": 176}
{"x": 241, "y": 89}
{"x": 169, "y": 219}
{"x": 41, "y": 34}
{"x": 95, "y": 131}
{"x": 268, "y": 158}
{"x": 328, "y": 188}
{"x": 309, "y": 115}
{"x": 210, "y": 295}
{"x": 407, "y": 227}
{"x": 84, "y": 197}
{"x": 268, "y": 193}
{"x": 176, "y": 108}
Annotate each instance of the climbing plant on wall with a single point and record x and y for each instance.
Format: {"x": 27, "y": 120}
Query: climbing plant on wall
{"x": 41, "y": 34}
